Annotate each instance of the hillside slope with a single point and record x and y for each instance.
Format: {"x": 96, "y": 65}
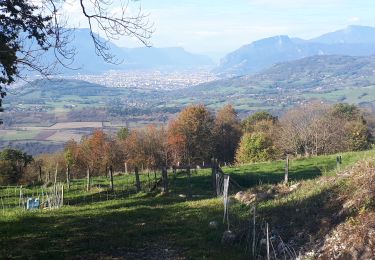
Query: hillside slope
{"x": 332, "y": 78}
{"x": 312, "y": 220}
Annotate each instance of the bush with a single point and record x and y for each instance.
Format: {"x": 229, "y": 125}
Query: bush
{"x": 8, "y": 173}
{"x": 256, "y": 147}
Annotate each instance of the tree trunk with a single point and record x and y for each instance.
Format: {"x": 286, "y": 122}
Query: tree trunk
{"x": 40, "y": 173}
{"x": 137, "y": 182}
{"x": 88, "y": 180}
{"x": 111, "y": 176}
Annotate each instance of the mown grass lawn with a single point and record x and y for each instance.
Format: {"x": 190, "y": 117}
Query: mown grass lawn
{"x": 149, "y": 225}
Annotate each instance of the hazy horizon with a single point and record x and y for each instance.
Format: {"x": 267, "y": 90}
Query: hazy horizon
{"x": 216, "y": 28}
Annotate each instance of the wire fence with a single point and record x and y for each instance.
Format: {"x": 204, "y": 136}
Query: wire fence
{"x": 16, "y": 197}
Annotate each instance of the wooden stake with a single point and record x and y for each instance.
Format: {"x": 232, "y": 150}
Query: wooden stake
{"x": 189, "y": 182}
{"x": 213, "y": 176}
{"x": 268, "y": 243}
{"x": 88, "y": 179}
{"x": 57, "y": 165}
{"x": 286, "y": 177}
{"x": 62, "y": 195}
{"x": 254, "y": 232}
{"x": 165, "y": 179}
{"x": 137, "y": 182}
{"x": 68, "y": 177}
{"x": 111, "y": 176}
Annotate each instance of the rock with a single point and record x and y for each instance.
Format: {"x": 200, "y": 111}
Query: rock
{"x": 213, "y": 224}
{"x": 239, "y": 195}
{"x": 228, "y": 238}
{"x": 248, "y": 198}
{"x": 261, "y": 196}
{"x": 294, "y": 187}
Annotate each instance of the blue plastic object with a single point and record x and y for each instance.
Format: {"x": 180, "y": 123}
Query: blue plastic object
{"x": 32, "y": 203}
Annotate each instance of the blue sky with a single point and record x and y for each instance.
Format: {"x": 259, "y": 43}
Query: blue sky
{"x": 219, "y": 26}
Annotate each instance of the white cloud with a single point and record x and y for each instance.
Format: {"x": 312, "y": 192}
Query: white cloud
{"x": 354, "y": 19}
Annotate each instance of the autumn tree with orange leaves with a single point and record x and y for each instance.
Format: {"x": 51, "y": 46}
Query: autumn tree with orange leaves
{"x": 227, "y": 133}
{"x": 191, "y": 135}
{"x": 146, "y": 148}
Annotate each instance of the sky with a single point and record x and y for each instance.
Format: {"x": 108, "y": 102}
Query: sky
{"x": 216, "y": 27}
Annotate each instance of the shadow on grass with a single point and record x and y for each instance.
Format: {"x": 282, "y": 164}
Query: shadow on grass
{"x": 132, "y": 233}
{"x": 253, "y": 176}
{"x": 145, "y": 227}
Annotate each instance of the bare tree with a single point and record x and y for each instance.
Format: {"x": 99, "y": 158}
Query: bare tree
{"x": 316, "y": 128}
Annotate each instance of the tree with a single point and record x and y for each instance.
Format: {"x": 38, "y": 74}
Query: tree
{"x": 8, "y": 173}
{"x": 255, "y": 147}
{"x": 147, "y": 147}
{"x": 123, "y": 133}
{"x": 70, "y": 150}
{"x": 192, "y": 131}
{"x": 28, "y": 30}
{"x": 316, "y": 128}
{"x": 359, "y": 136}
{"x": 346, "y": 111}
{"x": 14, "y": 161}
{"x": 176, "y": 143}
{"x": 249, "y": 123}
{"x": 93, "y": 151}
{"x": 227, "y": 132}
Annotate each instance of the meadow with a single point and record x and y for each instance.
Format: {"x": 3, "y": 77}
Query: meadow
{"x": 153, "y": 225}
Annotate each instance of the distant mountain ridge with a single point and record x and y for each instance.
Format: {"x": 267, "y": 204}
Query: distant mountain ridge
{"x": 143, "y": 58}
{"x": 252, "y": 58}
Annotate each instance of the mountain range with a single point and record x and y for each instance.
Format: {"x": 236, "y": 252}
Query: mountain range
{"x": 254, "y": 57}
{"x": 143, "y": 58}
{"x": 249, "y": 59}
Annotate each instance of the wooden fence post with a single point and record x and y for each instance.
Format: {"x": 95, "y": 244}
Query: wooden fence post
{"x": 137, "y": 182}
{"x": 286, "y": 177}
{"x": 88, "y": 179}
{"x": 213, "y": 175}
{"x": 165, "y": 179}
{"x": 338, "y": 162}
{"x": 126, "y": 167}
{"x": 189, "y": 180}
{"x": 111, "y": 176}
{"x": 149, "y": 180}
{"x": 68, "y": 176}
{"x": 57, "y": 166}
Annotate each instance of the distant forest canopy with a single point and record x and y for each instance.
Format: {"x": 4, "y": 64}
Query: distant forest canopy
{"x": 197, "y": 135}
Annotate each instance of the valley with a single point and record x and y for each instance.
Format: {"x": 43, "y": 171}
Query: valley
{"x": 44, "y": 103}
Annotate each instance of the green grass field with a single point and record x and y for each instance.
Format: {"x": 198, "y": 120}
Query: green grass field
{"x": 151, "y": 225}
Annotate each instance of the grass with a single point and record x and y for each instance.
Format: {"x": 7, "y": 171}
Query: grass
{"x": 150, "y": 225}
{"x": 299, "y": 169}
{"x": 12, "y": 135}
